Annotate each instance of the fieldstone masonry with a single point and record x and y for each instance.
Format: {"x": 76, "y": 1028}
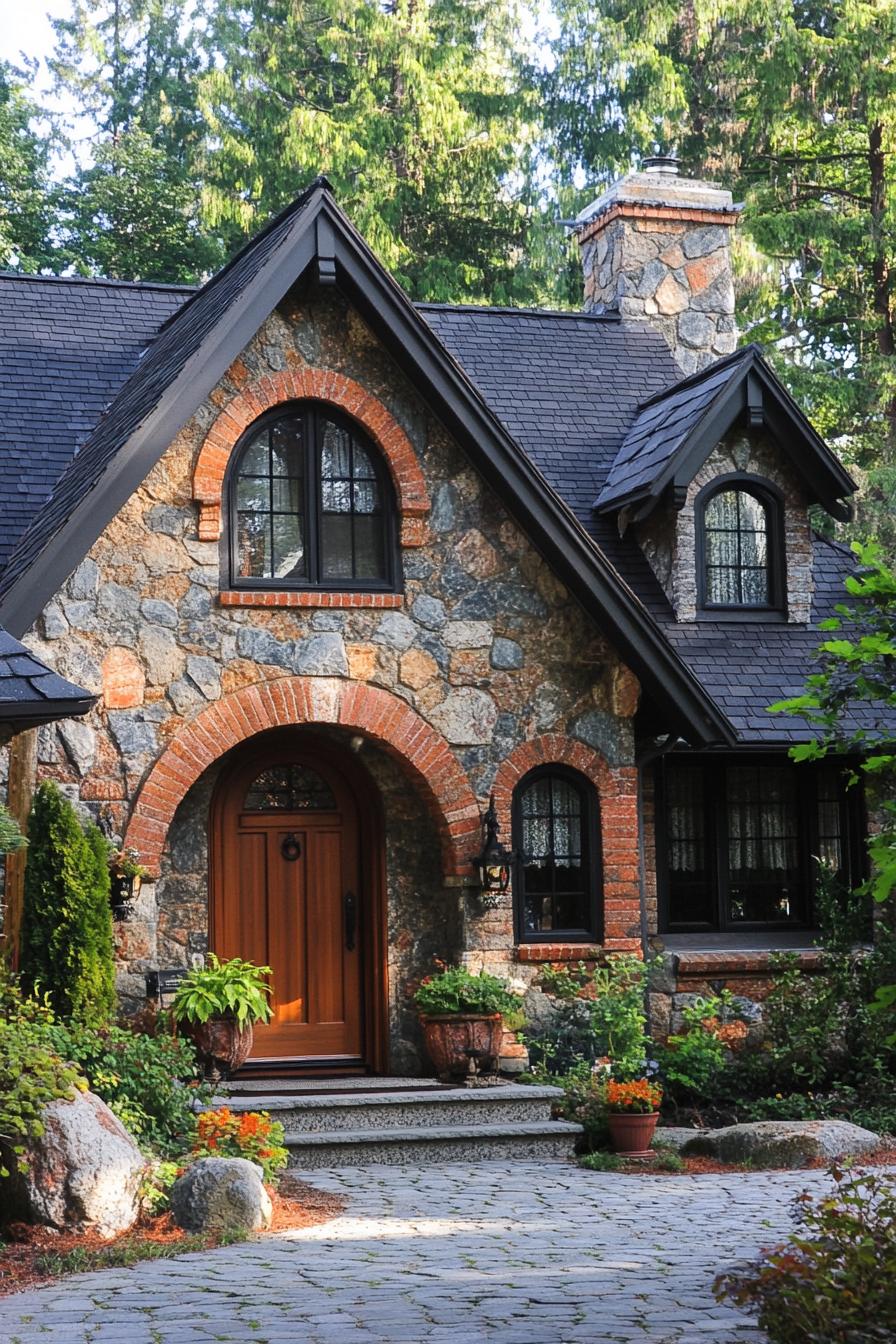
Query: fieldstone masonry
{"x": 668, "y": 539}
{"x": 483, "y": 651}
{"x": 656, "y": 247}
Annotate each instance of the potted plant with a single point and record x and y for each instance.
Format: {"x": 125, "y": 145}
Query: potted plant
{"x": 633, "y": 1110}
{"x": 126, "y": 874}
{"x": 217, "y": 1006}
{"x": 461, "y": 1017}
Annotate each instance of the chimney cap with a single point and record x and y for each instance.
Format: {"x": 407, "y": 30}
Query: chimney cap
{"x": 667, "y": 164}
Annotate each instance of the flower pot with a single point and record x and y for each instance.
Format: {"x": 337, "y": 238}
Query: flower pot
{"x": 632, "y": 1131}
{"x": 455, "y": 1040}
{"x": 222, "y": 1045}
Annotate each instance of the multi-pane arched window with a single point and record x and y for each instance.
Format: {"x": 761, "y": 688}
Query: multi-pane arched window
{"x": 556, "y": 841}
{"x": 311, "y": 505}
{"x": 739, "y": 554}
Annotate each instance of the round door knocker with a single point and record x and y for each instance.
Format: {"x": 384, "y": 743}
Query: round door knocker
{"x": 290, "y": 848}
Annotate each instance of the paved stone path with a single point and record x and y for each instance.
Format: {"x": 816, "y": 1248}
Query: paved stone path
{"x": 510, "y": 1254}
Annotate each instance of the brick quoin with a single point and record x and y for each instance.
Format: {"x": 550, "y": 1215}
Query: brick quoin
{"x": 376, "y": 713}
{"x": 617, "y": 791}
{"x": 253, "y": 399}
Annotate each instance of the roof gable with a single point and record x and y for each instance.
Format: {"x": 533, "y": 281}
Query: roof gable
{"x": 196, "y": 346}
{"x": 675, "y": 431}
{"x": 30, "y": 693}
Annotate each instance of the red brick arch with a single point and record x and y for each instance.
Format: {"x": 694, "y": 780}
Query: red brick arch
{"x": 254, "y": 398}
{"x": 617, "y": 791}
{"x": 384, "y": 718}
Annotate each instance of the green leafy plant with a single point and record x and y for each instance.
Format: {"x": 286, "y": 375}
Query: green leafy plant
{"x": 32, "y": 1073}
{"x": 834, "y": 1279}
{"x": 250, "y": 1134}
{"x": 600, "y": 1161}
{"x": 234, "y": 988}
{"x": 150, "y": 1082}
{"x": 456, "y": 990}
{"x": 126, "y": 863}
{"x": 154, "y": 1194}
{"x": 694, "y": 1061}
{"x": 66, "y": 938}
{"x": 597, "y": 1014}
{"x": 11, "y": 837}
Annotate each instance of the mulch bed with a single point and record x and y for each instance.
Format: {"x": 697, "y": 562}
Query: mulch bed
{"x": 32, "y": 1256}
{"x": 885, "y": 1156}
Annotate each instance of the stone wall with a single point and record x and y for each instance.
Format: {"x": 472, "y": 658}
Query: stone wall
{"x": 484, "y": 644}
{"x": 668, "y": 539}
{"x": 658, "y": 249}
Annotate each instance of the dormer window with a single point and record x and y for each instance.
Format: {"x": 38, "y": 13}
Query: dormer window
{"x": 740, "y": 552}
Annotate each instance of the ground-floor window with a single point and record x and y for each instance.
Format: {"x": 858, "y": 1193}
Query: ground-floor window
{"x": 739, "y": 840}
{"x": 556, "y": 838}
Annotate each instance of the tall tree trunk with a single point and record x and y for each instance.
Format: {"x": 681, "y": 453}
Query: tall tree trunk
{"x": 880, "y": 267}
{"x": 19, "y": 796}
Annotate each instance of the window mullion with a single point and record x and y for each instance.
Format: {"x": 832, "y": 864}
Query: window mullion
{"x": 721, "y": 850}
{"x": 313, "y": 496}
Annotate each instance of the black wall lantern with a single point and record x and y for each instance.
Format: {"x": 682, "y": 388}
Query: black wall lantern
{"x": 493, "y": 862}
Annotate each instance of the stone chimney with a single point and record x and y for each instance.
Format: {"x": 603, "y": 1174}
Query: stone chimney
{"x": 656, "y": 246}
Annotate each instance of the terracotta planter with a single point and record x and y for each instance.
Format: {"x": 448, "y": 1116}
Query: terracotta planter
{"x": 454, "y": 1039}
{"x": 631, "y": 1133}
{"x": 222, "y": 1045}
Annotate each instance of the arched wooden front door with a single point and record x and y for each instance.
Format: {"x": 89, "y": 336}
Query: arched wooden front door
{"x": 289, "y": 890}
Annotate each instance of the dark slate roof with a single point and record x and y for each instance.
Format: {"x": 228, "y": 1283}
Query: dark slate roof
{"x": 30, "y": 693}
{"x": 662, "y": 426}
{"x": 568, "y": 387}
{"x": 66, "y": 348}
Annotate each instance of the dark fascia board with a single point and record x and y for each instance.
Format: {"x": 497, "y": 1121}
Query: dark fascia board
{"x": 66, "y": 549}
{"x": 345, "y": 258}
{"x": 545, "y": 517}
{"x": 31, "y": 714}
{"x": 823, "y": 475}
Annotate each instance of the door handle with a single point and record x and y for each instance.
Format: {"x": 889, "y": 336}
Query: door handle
{"x": 350, "y": 918}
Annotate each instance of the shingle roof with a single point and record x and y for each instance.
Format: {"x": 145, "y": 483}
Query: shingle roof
{"x": 30, "y": 693}
{"x": 66, "y": 348}
{"x": 568, "y": 387}
{"x": 661, "y": 428}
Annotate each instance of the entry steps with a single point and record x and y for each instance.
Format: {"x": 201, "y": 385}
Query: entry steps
{"x": 355, "y": 1122}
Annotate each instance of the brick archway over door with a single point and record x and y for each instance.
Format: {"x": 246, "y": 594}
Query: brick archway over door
{"x": 617, "y": 792}
{"x": 324, "y": 385}
{"x": 384, "y": 718}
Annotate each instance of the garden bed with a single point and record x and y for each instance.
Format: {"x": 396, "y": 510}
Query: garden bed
{"x": 664, "y": 1162}
{"x": 31, "y": 1256}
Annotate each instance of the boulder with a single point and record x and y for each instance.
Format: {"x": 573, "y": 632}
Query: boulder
{"x": 221, "y": 1194}
{"x": 782, "y": 1143}
{"x": 84, "y": 1171}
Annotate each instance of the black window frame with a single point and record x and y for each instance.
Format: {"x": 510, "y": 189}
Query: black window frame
{"x": 592, "y": 864}
{"x": 771, "y": 499}
{"x": 312, "y": 413}
{"x": 853, "y": 825}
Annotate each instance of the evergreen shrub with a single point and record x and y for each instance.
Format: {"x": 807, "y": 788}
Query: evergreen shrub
{"x": 66, "y": 939}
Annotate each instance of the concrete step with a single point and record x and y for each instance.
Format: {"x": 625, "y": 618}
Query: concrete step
{"x": 507, "y": 1105}
{"x": 549, "y": 1141}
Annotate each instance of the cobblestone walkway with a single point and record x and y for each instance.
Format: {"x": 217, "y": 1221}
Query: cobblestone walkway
{"x": 521, "y": 1254}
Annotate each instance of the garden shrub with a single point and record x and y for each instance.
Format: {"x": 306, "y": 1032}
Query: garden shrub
{"x": 697, "y": 1062}
{"x": 834, "y": 1280}
{"x": 252, "y": 1135}
{"x": 32, "y": 1073}
{"x": 597, "y": 1015}
{"x": 11, "y": 838}
{"x": 150, "y": 1082}
{"x": 66, "y": 938}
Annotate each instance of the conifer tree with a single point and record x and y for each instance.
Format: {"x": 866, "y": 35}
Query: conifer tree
{"x": 66, "y": 938}
{"x": 27, "y": 199}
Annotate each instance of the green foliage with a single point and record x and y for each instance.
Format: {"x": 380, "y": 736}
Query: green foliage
{"x": 66, "y": 939}
{"x": 600, "y": 1161}
{"x": 456, "y": 990}
{"x": 126, "y": 1251}
{"x": 584, "y": 1102}
{"x": 667, "y": 1159}
{"x": 598, "y": 1014}
{"x": 232, "y": 988}
{"x": 11, "y": 838}
{"x": 834, "y": 1279}
{"x": 693, "y": 1061}
{"x": 150, "y": 1082}
{"x": 26, "y": 197}
{"x": 874, "y": 1109}
{"x": 155, "y": 1188}
{"x": 32, "y": 1073}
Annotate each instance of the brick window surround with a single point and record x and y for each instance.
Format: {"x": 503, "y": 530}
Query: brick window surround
{"x": 375, "y": 713}
{"x": 260, "y": 395}
{"x": 617, "y": 792}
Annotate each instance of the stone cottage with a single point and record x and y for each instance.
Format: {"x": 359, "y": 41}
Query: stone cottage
{"x": 340, "y": 568}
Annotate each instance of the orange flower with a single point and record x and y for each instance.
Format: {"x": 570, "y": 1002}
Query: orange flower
{"x": 641, "y": 1096}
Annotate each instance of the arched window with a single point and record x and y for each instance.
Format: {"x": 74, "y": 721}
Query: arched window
{"x": 311, "y": 505}
{"x": 740, "y": 551}
{"x": 556, "y": 840}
